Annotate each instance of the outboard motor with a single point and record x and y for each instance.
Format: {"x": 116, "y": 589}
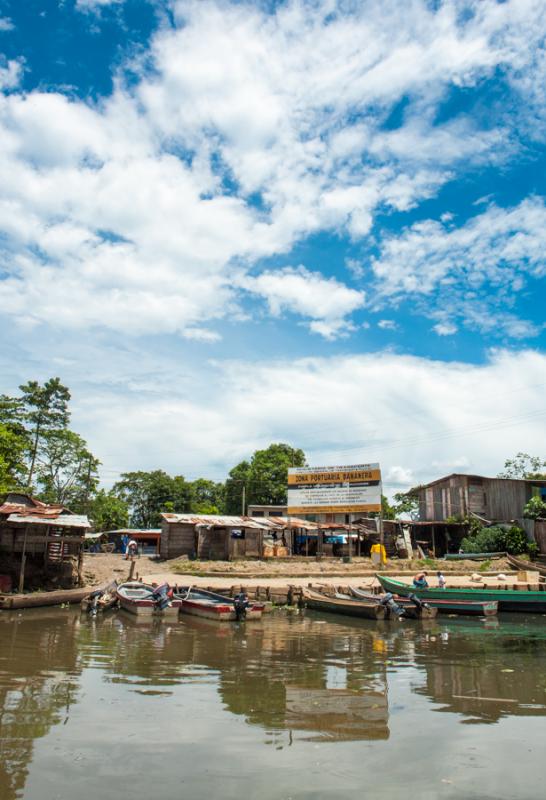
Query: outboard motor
{"x": 162, "y": 596}
{"x": 92, "y": 608}
{"x": 389, "y": 601}
{"x": 417, "y": 601}
{"x": 240, "y": 604}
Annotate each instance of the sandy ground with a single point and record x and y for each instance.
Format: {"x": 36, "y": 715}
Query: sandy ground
{"x": 101, "y": 568}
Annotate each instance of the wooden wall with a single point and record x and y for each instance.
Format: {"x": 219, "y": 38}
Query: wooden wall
{"x": 177, "y": 539}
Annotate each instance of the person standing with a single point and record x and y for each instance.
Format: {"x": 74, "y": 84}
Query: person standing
{"x": 441, "y": 580}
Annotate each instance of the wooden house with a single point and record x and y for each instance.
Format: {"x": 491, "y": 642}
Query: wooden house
{"x": 40, "y": 542}
{"x": 494, "y": 499}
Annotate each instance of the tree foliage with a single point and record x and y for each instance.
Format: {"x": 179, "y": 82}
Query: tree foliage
{"x": 147, "y": 494}
{"x": 264, "y": 478}
{"x": 66, "y": 470}
{"x": 524, "y": 466}
{"x": 535, "y": 508}
{"x": 44, "y": 409}
{"x": 12, "y": 459}
{"x": 108, "y": 512}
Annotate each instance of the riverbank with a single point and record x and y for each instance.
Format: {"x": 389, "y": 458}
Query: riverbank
{"x": 101, "y": 568}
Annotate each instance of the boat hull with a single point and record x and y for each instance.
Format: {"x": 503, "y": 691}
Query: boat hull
{"x": 350, "y": 608}
{"x": 209, "y": 605}
{"x": 533, "y": 566}
{"x": 137, "y": 599}
{"x": 508, "y": 599}
{"x": 38, "y": 599}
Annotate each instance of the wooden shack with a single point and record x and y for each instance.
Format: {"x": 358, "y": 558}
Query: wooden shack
{"x": 40, "y": 543}
{"x": 208, "y": 536}
{"x": 494, "y": 499}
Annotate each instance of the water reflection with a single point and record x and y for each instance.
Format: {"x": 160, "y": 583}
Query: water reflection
{"x": 308, "y": 677}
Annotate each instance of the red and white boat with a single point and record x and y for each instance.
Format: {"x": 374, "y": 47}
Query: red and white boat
{"x": 146, "y": 600}
{"x": 210, "y": 605}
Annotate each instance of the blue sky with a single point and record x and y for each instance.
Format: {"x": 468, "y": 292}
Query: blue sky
{"x": 226, "y": 223}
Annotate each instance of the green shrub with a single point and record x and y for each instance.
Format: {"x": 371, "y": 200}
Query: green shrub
{"x": 495, "y": 540}
{"x": 515, "y": 541}
{"x": 535, "y": 508}
{"x": 532, "y": 550}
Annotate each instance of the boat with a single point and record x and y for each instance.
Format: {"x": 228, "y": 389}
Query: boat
{"x": 58, "y": 597}
{"x": 477, "y": 608}
{"x": 409, "y": 608}
{"x": 146, "y": 600}
{"x": 508, "y": 599}
{"x": 473, "y": 556}
{"x": 369, "y": 609}
{"x": 101, "y": 599}
{"x": 533, "y": 566}
{"x": 202, "y": 603}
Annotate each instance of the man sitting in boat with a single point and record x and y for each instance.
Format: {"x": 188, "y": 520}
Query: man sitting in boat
{"x": 420, "y": 580}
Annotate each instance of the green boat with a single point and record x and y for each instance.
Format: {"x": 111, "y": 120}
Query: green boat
{"x": 508, "y": 599}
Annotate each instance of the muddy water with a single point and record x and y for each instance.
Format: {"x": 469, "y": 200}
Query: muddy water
{"x": 299, "y": 706}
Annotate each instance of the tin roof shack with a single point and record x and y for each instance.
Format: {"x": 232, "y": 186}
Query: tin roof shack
{"x": 494, "y": 499}
{"x": 41, "y": 543}
{"x": 208, "y": 536}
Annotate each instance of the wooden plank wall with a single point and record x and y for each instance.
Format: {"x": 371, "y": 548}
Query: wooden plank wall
{"x": 177, "y": 540}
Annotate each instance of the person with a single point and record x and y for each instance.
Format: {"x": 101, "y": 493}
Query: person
{"x": 132, "y": 548}
{"x": 441, "y": 580}
{"x": 420, "y": 580}
{"x": 124, "y": 543}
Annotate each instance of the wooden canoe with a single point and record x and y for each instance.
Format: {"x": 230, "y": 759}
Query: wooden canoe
{"x": 411, "y": 610}
{"x": 351, "y": 607}
{"x": 534, "y": 566}
{"x": 484, "y": 608}
{"x": 58, "y": 597}
{"x": 521, "y": 600}
{"x": 210, "y": 605}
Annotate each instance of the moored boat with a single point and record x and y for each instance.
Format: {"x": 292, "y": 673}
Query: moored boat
{"x": 57, "y": 597}
{"x": 410, "y": 608}
{"x": 479, "y": 608}
{"x": 145, "y": 600}
{"x": 209, "y": 605}
{"x": 533, "y": 566}
{"x": 369, "y": 609}
{"x": 101, "y": 599}
{"x": 508, "y": 599}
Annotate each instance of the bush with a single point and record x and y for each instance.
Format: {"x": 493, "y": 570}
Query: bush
{"x": 532, "y": 550}
{"x": 495, "y": 540}
{"x": 535, "y": 508}
{"x": 515, "y": 541}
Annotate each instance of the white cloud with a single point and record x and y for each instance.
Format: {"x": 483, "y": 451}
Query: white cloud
{"x": 326, "y": 302}
{"x": 445, "y": 328}
{"x": 387, "y": 324}
{"x": 93, "y": 5}
{"x": 420, "y": 418}
{"x": 10, "y": 74}
{"x": 6, "y": 24}
{"x": 131, "y": 213}
{"x": 472, "y": 269}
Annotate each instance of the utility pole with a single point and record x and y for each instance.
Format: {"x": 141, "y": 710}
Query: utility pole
{"x": 243, "y": 498}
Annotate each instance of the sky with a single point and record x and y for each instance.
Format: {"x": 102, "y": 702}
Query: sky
{"x": 321, "y": 222}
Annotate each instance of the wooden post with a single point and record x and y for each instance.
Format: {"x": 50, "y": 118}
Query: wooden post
{"x": 80, "y": 565}
{"x": 433, "y": 542}
{"x": 23, "y": 559}
{"x": 307, "y": 543}
{"x": 131, "y": 569}
{"x": 359, "y": 543}
{"x": 350, "y": 537}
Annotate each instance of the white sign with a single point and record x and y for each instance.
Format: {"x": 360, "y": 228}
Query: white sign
{"x": 331, "y": 490}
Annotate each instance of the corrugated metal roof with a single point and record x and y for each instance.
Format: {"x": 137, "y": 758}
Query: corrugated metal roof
{"x": 61, "y": 521}
{"x": 216, "y": 521}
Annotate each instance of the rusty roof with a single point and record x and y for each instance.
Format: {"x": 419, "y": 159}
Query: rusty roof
{"x": 59, "y": 521}
{"x": 217, "y": 521}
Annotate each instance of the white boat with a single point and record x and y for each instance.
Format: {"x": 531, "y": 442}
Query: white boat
{"x": 145, "y": 600}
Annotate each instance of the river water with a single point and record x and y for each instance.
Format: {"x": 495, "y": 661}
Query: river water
{"x": 300, "y": 706}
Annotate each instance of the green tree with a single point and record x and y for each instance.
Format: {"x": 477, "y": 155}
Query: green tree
{"x": 147, "y": 494}
{"x": 66, "y": 470}
{"x": 535, "y": 508}
{"x": 45, "y": 410}
{"x": 12, "y": 459}
{"x": 207, "y": 497}
{"x": 108, "y": 512}
{"x": 264, "y": 479}
{"x": 524, "y": 466}
{"x": 236, "y": 488}
{"x": 406, "y": 502}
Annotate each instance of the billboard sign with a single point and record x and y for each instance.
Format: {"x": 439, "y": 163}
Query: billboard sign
{"x": 334, "y": 490}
